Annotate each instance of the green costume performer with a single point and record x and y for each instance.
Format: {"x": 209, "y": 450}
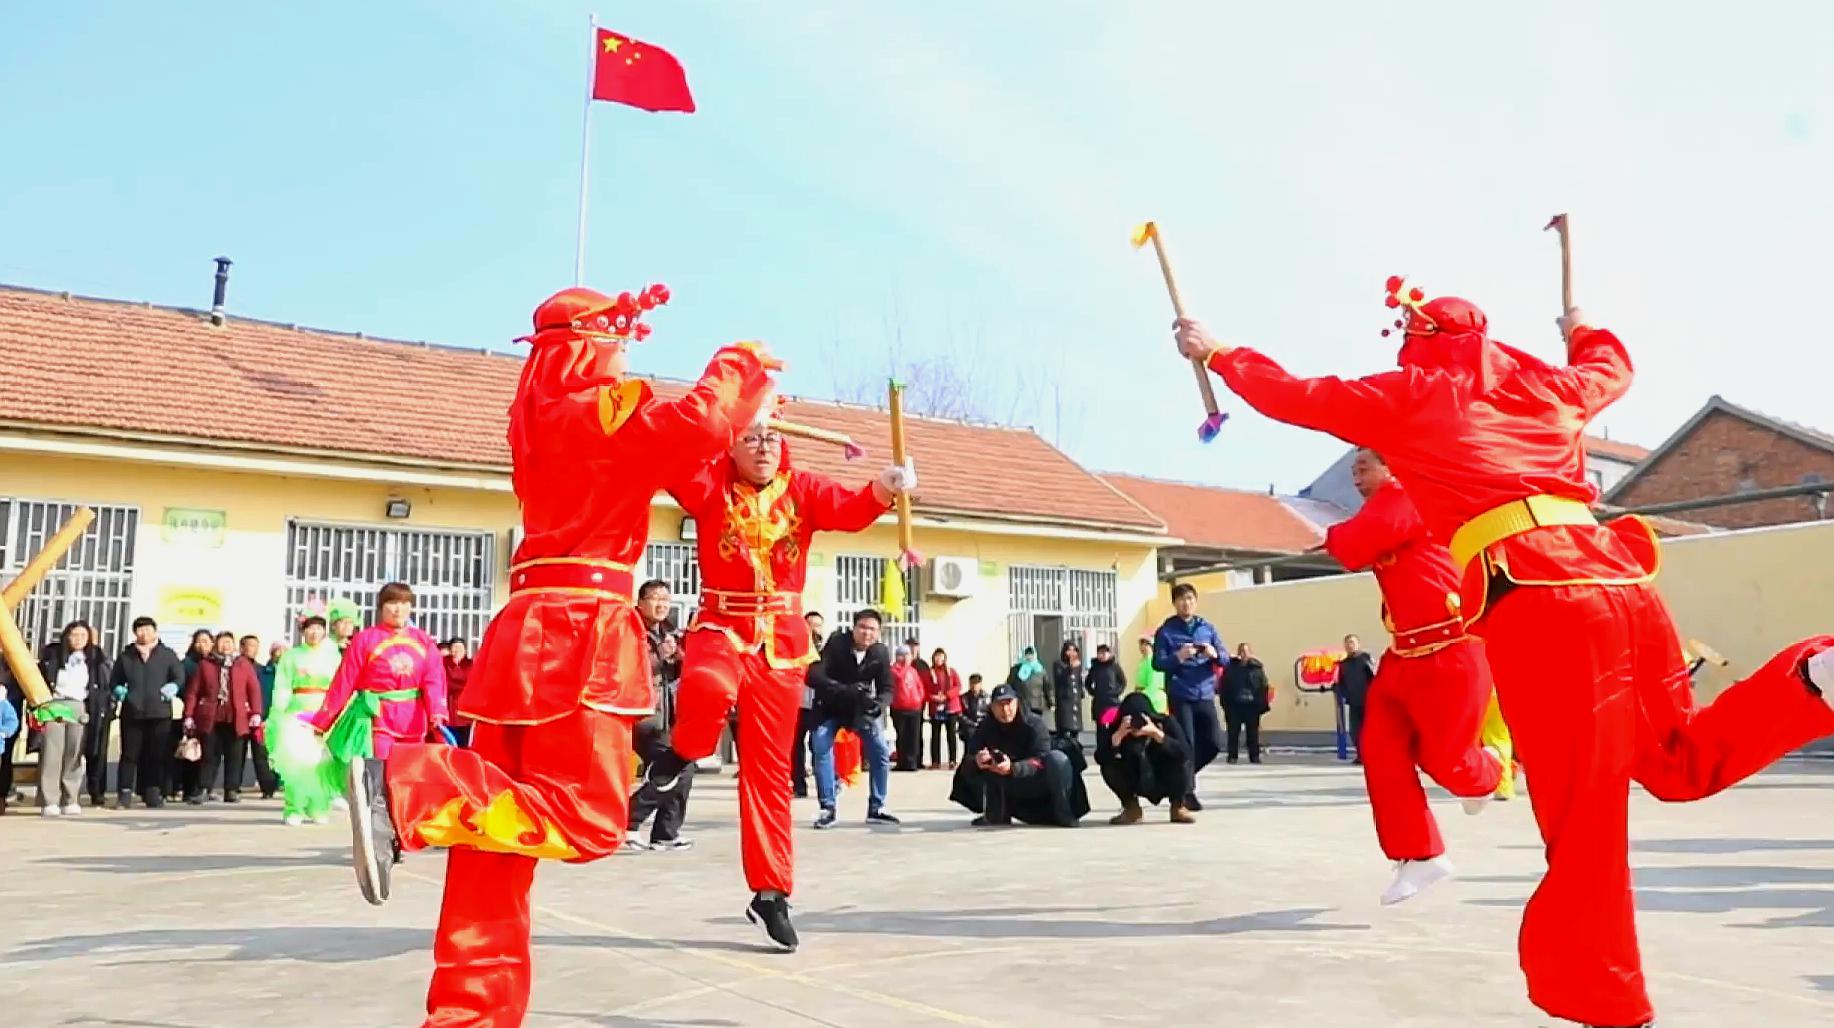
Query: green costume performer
{"x": 312, "y": 779}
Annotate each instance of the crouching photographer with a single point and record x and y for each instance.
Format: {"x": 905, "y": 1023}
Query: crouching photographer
{"x": 1013, "y": 771}
{"x": 1142, "y": 755}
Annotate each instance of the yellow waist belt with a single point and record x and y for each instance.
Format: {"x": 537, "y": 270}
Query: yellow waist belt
{"x": 1512, "y": 519}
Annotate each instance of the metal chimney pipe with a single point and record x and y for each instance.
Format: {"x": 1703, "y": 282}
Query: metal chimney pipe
{"x": 216, "y": 303}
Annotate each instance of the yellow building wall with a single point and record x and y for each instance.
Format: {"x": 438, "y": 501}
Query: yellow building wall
{"x": 239, "y": 583}
{"x": 1746, "y": 594}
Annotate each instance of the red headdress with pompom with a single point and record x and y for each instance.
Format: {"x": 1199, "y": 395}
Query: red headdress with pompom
{"x": 581, "y": 313}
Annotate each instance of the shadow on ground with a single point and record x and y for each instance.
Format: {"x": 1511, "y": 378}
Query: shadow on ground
{"x": 315, "y": 944}
{"x": 1027, "y": 923}
{"x": 1711, "y": 889}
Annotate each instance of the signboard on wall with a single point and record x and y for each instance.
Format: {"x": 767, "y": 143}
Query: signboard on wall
{"x": 194, "y": 526}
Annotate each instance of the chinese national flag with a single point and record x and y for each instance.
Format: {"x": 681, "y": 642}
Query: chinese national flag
{"x": 627, "y": 71}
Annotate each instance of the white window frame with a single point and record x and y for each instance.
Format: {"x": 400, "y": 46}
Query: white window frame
{"x": 94, "y": 581}
{"x": 858, "y": 581}
{"x": 1087, "y": 600}
{"x": 679, "y": 565}
{"x": 454, "y": 591}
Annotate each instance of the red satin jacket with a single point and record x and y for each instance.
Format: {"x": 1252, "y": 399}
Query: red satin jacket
{"x": 754, "y": 551}
{"x": 1419, "y": 586}
{"x": 1471, "y": 425}
{"x": 590, "y": 451}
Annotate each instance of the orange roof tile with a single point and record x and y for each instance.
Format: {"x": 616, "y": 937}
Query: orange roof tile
{"x": 1229, "y": 519}
{"x": 1612, "y": 448}
{"x": 265, "y": 384}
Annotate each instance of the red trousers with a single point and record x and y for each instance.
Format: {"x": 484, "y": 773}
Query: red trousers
{"x": 1425, "y": 712}
{"x": 1596, "y": 694}
{"x": 714, "y": 677}
{"x": 559, "y": 790}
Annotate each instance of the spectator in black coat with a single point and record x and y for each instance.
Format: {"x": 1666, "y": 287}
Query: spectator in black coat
{"x": 1244, "y": 699}
{"x": 1143, "y": 757}
{"x": 1106, "y": 683}
{"x": 974, "y": 707}
{"x": 147, "y": 677}
{"x": 1068, "y": 678}
{"x": 1354, "y": 673}
{"x": 1014, "y": 772}
{"x": 853, "y": 690}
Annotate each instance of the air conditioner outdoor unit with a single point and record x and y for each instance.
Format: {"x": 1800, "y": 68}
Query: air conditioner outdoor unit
{"x": 953, "y": 576}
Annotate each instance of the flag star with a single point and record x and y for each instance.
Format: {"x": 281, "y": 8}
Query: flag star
{"x": 612, "y": 43}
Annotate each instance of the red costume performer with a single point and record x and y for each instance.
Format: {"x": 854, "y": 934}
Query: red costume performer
{"x": 748, "y": 644}
{"x": 1428, "y": 698}
{"x": 1486, "y": 438}
{"x": 561, "y": 674}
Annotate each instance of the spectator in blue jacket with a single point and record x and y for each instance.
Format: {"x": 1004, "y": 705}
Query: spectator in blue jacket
{"x": 1191, "y": 654}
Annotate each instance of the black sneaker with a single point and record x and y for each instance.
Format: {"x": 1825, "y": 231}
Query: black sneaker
{"x": 675, "y": 845}
{"x": 194, "y": 801}
{"x": 880, "y": 817}
{"x": 772, "y": 916}
{"x": 1191, "y": 804}
{"x": 374, "y": 849}
{"x": 825, "y": 819}
{"x": 123, "y": 800}
{"x": 664, "y": 773}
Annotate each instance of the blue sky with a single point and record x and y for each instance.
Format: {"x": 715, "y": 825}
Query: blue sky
{"x": 948, "y": 172}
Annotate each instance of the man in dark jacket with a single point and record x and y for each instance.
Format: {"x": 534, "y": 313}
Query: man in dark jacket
{"x": 1106, "y": 685}
{"x": 1191, "y": 654}
{"x": 1244, "y": 699}
{"x": 974, "y": 707}
{"x": 1354, "y": 673}
{"x": 799, "y": 754}
{"x": 853, "y": 690}
{"x": 654, "y": 733}
{"x": 146, "y": 679}
{"x": 1014, "y": 772}
{"x": 1143, "y": 756}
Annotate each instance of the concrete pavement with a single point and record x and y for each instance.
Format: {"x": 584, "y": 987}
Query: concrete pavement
{"x": 1264, "y": 913}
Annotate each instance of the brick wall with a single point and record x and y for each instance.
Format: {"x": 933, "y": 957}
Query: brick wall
{"x": 1727, "y": 454}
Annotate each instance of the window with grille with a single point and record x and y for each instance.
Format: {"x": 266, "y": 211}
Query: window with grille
{"x": 678, "y": 565}
{"x": 1086, "y": 600}
{"x": 95, "y": 580}
{"x": 453, "y": 574}
{"x": 859, "y": 582}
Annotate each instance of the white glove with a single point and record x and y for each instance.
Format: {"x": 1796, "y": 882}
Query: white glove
{"x": 1821, "y": 672}
{"x": 1572, "y": 319}
{"x": 899, "y": 480}
{"x": 254, "y": 721}
{"x": 190, "y": 724}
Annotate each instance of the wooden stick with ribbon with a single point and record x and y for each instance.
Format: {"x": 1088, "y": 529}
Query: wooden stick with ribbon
{"x": 13, "y": 645}
{"x": 1213, "y": 414}
{"x": 850, "y": 450}
{"x": 1562, "y": 224}
{"x": 907, "y": 547}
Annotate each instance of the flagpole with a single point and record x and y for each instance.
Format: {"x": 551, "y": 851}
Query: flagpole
{"x": 585, "y": 149}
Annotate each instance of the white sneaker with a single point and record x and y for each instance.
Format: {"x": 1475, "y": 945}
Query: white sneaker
{"x": 49, "y": 810}
{"x": 72, "y": 809}
{"x": 294, "y": 820}
{"x": 322, "y": 819}
{"x": 1413, "y": 877}
{"x": 340, "y": 804}
{"x": 1821, "y": 672}
{"x": 1475, "y": 805}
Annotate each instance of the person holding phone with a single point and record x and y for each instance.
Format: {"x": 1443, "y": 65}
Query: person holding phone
{"x": 1014, "y": 772}
{"x": 1143, "y": 754}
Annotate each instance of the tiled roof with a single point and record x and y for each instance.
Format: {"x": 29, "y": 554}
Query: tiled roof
{"x": 1612, "y": 448}
{"x": 78, "y": 363}
{"x": 1224, "y": 519}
